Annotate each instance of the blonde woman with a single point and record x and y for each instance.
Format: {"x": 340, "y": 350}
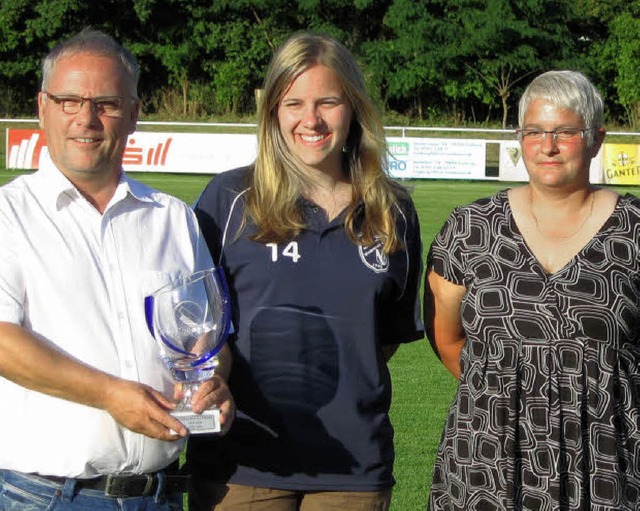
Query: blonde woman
{"x": 323, "y": 256}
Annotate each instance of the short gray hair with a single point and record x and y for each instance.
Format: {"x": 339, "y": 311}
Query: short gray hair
{"x": 94, "y": 42}
{"x": 566, "y": 89}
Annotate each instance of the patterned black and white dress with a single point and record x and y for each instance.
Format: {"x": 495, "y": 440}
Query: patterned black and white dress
{"x": 547, "y": 413}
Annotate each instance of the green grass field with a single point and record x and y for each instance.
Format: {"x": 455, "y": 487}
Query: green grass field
{"x": 422, "y": 388}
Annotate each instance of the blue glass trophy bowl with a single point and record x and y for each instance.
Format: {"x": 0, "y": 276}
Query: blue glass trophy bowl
{"x": 190, "y": 319}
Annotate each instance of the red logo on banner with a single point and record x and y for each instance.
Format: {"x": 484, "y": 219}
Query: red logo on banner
{"x": 24, "y": 148}
{"x": 155, "y": 155}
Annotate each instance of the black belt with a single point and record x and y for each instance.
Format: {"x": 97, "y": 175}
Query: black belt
{"x": 129, "y": 485}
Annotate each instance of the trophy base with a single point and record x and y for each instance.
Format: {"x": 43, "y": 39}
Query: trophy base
{"x": 199, "y": 423}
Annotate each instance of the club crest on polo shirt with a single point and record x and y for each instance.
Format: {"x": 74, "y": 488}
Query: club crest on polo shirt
{"x": 374, "y": 257}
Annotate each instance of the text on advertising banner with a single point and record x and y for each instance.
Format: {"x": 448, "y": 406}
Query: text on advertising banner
{"x": 622, "y": 164}
{"x": 435, "y": 158}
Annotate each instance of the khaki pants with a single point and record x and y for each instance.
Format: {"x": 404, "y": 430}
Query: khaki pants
{"x": 208, "y": 496}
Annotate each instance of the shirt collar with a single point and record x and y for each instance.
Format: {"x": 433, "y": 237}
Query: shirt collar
{"x": 135, "y": 189}
{"x": 59, "y": 191}
{"x": 317, "y": 219}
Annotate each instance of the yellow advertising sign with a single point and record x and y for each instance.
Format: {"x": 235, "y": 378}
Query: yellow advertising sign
{"x": 622, "y": 164}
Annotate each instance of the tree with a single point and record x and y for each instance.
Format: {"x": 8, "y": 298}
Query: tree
{"x": 504, "y": 42}
{"x": 623, "y": 51}
{"x": 30, "y": 28}
{"x": 162, "y": 33}
{"x": 23, "y": 33}
{"x": 445, "y": 60}
{"x": 469, "y": 53}
{"x": 611, "y": 54}
{"x": 237, "y": 40}
{"x": 405, "y": 62}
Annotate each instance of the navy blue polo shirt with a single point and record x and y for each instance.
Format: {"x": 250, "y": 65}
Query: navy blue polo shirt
{"x": 309, "y": 379}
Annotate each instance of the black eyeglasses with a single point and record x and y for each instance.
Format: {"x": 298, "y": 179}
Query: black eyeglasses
{"x": 558, "y": 134}
{"x": 107, "y": 106}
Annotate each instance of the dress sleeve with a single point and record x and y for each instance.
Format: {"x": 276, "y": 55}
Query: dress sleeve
{"x": 445, "y": 255}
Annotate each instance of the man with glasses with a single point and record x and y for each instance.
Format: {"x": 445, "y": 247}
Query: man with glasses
{"x": 85, "y": 395}
{"x": 532, "y": 301}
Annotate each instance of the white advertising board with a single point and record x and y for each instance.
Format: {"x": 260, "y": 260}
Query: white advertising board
{"x": 147, "y": 151}
{"x": 209, "y": 153}
{"x": 205, "y": 153}
{"x": 437, "y": 158}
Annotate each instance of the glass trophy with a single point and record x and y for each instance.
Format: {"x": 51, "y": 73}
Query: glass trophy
{"x": 190, "y": 320}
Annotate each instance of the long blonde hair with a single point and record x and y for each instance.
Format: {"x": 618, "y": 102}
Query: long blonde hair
{"x": 277, "y": 180}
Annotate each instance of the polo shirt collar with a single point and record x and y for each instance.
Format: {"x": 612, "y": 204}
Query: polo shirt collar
{"x": 58, "y": 190}
{"x": 316, "y": 219}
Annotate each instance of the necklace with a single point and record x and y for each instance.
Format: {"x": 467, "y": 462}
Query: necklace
{"x": 332, "y": 199}
{"x": 567, "y": 236}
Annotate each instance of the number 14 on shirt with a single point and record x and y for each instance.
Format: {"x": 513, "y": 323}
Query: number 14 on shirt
{"x": 290, "y": 250}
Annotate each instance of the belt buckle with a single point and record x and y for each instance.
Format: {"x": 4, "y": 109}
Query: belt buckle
{"x": 116, "y": 486}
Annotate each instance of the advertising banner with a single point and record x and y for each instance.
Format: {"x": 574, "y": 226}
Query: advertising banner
{"x": 215, "y": 153}
{"x": 622, "y": 164}
{"x": 435, "y": 158}
{"x": 410, "y": 158}
{"x": 511, "y": 167}
{"x": 146, "y": 151}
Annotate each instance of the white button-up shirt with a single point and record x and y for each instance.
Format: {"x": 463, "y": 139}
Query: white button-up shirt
{"x": 78, "y": 279}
